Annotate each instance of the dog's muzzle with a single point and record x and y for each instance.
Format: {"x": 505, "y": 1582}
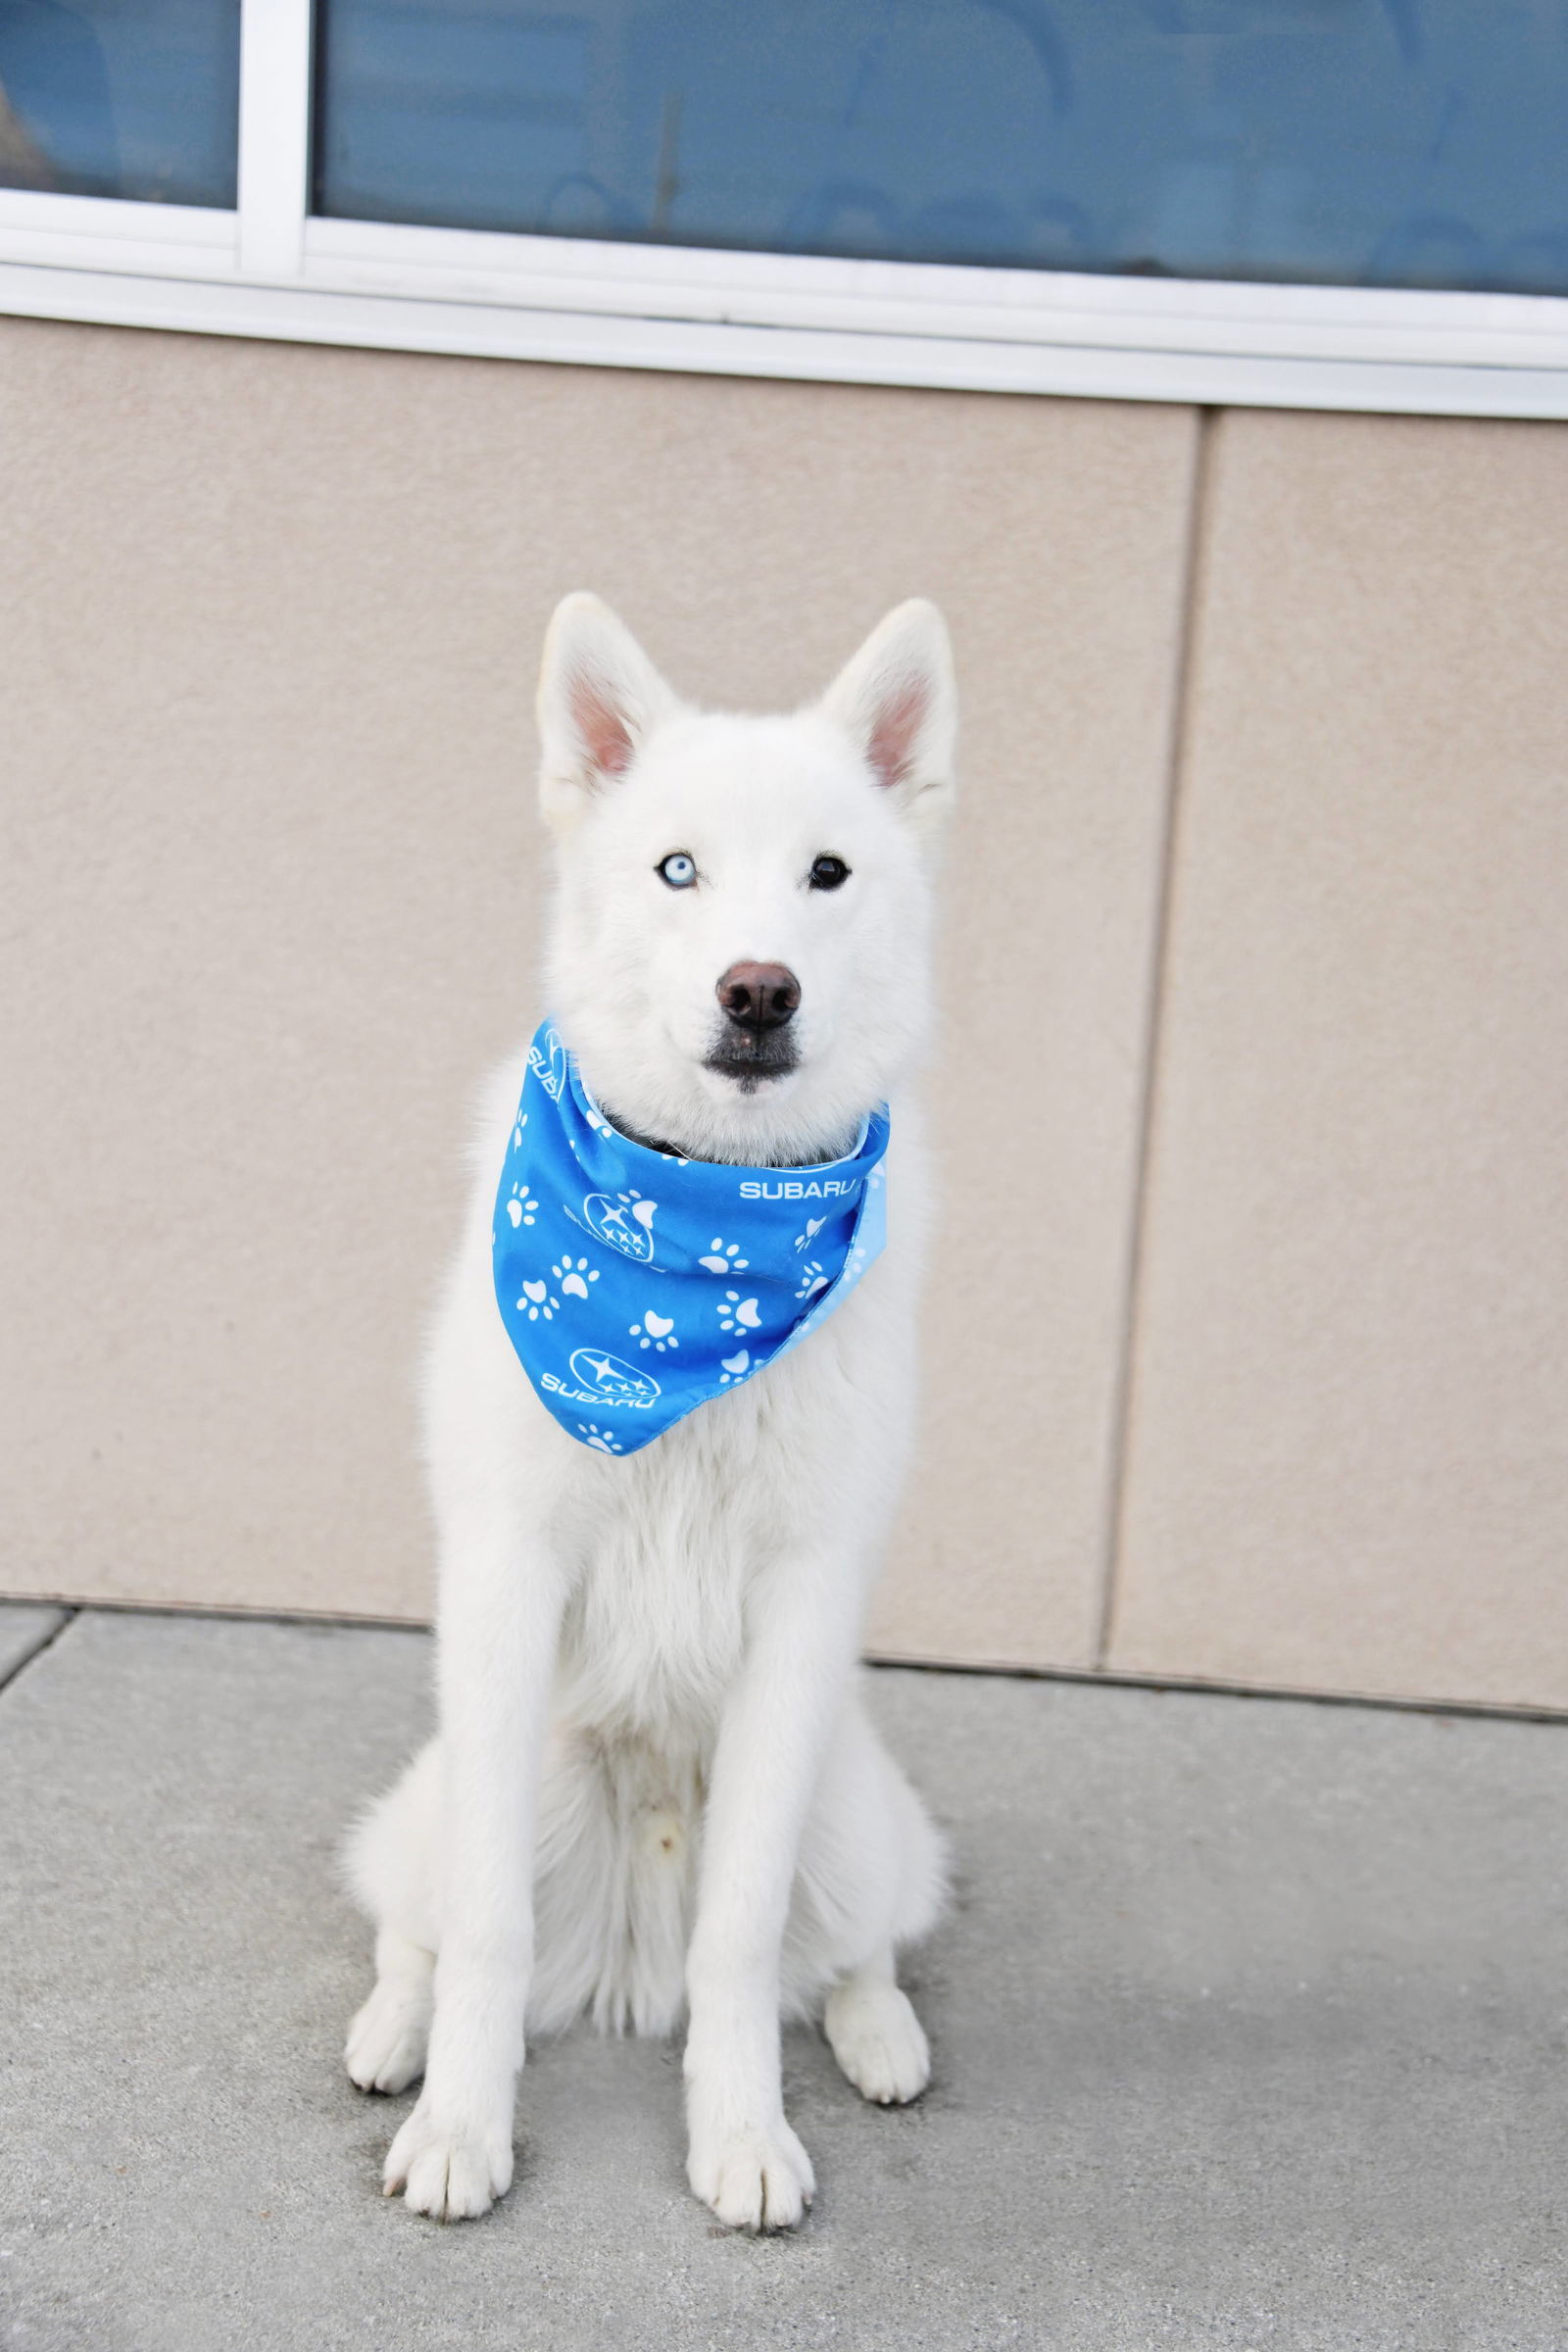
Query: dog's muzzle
{"x": 758, "y": 1001}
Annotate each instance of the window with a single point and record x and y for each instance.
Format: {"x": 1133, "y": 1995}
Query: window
{"x": 1338, "y": 142}
{"x": 98, "y": 99}
{"x": 1332, "y": 202}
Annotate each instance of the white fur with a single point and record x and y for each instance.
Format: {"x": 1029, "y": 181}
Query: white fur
{"x": 654, "y": 1789}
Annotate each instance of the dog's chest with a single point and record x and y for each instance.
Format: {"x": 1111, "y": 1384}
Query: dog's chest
{"x": 667, "y": 1551}
{"x": 667, "y": 1545}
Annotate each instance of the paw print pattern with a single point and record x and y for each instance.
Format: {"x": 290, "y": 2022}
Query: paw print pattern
{"x": 812, "y": 1278}
{"x": 537, "y": 1303}
{"x": 574, "y": 1274}
{"x": 724, "y": 1258}
{"x": 814, "y": 1226}
{"x": 655, "y": 1331}
{"x": 733, "y": 1367}
{"x": 738, "y": 1313}
{"x": 603, "y": 1440}
{"x": 522, "y": 1206}
{"x": 516, "y": 1132}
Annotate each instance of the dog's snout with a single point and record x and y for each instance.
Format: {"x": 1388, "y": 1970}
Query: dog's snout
{"x": 759, "y": 996}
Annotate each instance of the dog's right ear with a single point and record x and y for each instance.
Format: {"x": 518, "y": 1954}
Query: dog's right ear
{"x": 600, "y": 699}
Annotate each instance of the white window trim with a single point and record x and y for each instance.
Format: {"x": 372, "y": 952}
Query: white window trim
{"x": 270, "y": 270}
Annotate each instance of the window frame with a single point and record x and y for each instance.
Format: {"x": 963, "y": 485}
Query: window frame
{"x": 270, "y": 269}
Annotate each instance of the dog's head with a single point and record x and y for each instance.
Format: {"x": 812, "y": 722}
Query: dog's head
{"x": 740, "y": 953}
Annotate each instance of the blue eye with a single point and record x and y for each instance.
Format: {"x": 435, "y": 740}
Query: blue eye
{"x": 677, "y": 869}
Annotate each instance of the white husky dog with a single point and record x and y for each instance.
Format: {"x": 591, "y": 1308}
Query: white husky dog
{"x": 655, "y": 1787}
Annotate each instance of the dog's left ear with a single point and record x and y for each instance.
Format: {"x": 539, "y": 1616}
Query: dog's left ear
{"x": 600, "y": 699}
{"x": 898, "y": 702}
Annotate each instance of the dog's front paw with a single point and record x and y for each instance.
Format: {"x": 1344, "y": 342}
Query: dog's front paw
{"x": 452, "y": 2171}
{"x": 877, "y": 2039}
{"x": 760, "y": 2180}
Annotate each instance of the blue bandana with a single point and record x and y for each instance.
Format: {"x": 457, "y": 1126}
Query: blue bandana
{"x": 635, "y": 1285}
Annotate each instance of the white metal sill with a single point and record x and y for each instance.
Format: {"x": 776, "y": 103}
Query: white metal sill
{"x": 75, "y": 233}
{"x": 788, "y": 316}
{"x": 267, "y": 269}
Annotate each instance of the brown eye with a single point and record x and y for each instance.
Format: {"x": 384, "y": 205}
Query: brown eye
{"x": 829, "y": 873}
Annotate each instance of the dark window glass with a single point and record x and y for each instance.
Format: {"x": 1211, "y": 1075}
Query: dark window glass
{"x": 135, "y": 98}
{"x": 1383, "y": 142}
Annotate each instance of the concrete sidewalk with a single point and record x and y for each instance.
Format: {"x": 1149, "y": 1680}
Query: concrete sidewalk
{"x": 1249, "y": 2031}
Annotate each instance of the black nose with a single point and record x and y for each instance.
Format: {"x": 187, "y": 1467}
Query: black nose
{"x": 759, "y": 996}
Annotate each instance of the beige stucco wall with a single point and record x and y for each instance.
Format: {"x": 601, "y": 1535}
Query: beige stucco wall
{"x": 270, "y": 620}
{"x": 1348, "y": 1453}
{"x": 267, "y": 909}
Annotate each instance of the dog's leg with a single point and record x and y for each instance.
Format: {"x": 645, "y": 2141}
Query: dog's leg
{"x": 744, "y": 2160}
{"x": 875, "y": 2036}
{"x": 387, "y": 2040}
{"x": 500, "y": 1623}
{"x": 390, "y": 1856}
{"x": 870, "y": 1879}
